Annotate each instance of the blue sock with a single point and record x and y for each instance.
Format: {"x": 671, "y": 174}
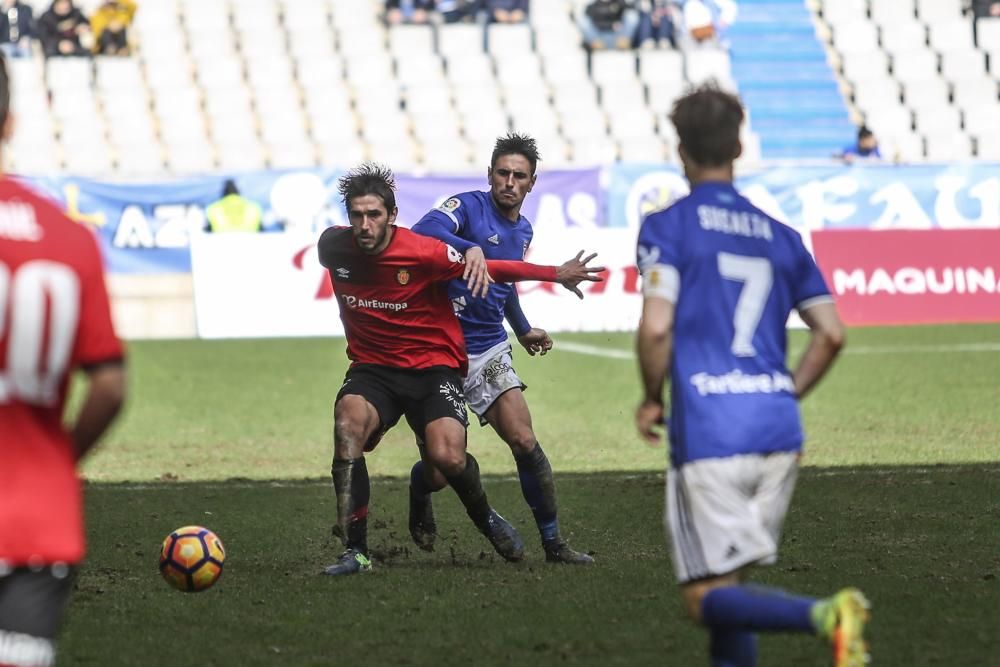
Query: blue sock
{"x": 418, "y": 483}
{"x": 539, "y": 490}
{"x": 732, "y": 648}
{"x": 757, "y": 609}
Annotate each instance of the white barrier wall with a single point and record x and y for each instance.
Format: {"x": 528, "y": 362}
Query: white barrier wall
{"x": 272, "y": 285}
{"x": 152, "y": 306}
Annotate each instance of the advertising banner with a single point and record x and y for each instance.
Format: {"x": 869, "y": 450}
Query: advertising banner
{"x": 912, "y": 276}
{"x": 832, "y": 196}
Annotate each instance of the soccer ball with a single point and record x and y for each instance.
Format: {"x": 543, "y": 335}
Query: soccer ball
{"x": 191, "y": 559}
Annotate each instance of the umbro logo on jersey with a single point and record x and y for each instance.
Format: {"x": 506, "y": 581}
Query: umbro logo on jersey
{"x": 495, "y": 239}
{"x": 343, "y": 273}
{"x": 458, "y": 304}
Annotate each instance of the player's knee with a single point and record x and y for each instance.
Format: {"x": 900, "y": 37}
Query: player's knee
{"x": 450, "y": 461}
{"x": 521, "y": 441}
{"x": 693, "y": 598}
{"x": 348, "y": 436}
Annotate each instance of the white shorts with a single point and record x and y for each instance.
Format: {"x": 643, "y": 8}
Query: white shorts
{"x": 725, "y": 513}
{"x": 490, "y": 374}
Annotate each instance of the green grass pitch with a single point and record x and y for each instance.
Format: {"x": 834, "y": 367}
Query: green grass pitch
{"x": 899, "y": 495}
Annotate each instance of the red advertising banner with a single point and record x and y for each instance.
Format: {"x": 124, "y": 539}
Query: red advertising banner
{"x": 932, "y": 276}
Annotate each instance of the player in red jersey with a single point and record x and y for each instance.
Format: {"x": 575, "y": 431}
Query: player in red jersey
{"x": 54, "y": 317}
{"x": 408, "y": 355}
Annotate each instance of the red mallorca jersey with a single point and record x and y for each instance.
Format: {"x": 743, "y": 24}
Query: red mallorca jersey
{"x": 54, "y": 317}
{"x": 395, "y": 305}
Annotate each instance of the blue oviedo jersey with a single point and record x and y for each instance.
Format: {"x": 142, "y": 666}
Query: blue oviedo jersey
{"x": 734, "y": 275}
{"x": 472, "y": 219}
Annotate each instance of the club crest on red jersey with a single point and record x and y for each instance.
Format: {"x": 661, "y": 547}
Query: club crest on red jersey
{"x": 403, "y": 276}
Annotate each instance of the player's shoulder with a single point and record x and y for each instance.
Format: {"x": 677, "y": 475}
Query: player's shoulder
{"x": 462, "y": 202}
{"x": 28, "y": 215}
{"x": 17, "y": 196}
{"x": 332, "y": 242}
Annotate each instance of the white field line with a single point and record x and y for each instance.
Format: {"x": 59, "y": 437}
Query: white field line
{"x": 219, "y": 485}
{"x": 613, "y": 353}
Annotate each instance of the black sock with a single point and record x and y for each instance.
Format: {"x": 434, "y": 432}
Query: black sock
{"x": 470, "y": 491}
{"x": 350, "y": 481}
{"x": 419, "y": 488}
{"x": 539, "y": 490}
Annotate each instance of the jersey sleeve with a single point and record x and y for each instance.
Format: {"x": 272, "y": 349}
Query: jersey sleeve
{"x": 658, "y": 255}
{"x": 96, "y": 342}
{"x": 810, "y": 286}
{"x": 515, "y": 315}
{"x": 444, "y": 261}
{"x": 445, "y": 226}
{"x": 448, "y": 222}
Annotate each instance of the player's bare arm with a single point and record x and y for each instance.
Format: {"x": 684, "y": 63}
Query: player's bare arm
{"x": 575, "y": 271}
{"x": 827, "y": 337}
{"x": 104, "y": 398}
{"x": 476, "y": 275}
{"x": 535, "y": 341}
{"x": 653, "y": 344}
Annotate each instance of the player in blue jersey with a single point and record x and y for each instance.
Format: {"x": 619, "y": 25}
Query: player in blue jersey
{"x": 720, "y": 278}
{"x": 490, "y": 225}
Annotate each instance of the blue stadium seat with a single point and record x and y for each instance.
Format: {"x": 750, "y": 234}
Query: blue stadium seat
{"x": 781, "y": 71}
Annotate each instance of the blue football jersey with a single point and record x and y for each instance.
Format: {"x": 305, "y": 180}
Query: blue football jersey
{"x": 472, "y": 219}
{"x": 734, "y": 275}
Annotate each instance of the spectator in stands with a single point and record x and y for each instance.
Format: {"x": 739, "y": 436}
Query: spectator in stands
{"x": 233, "y": 212}
{"x": 456, "y": 11}
{"x": 864, "y": 149}
{"x": 17, "y": 28}
{"x": 705, "y": 21}
{"x": 110, "y": 25}
{"x": 656, "y": 23}
{"x": 609, "y": 24}
{"x": 408, "y": 11}
{"x": 506, "y": 11}
{"x": 63, "y": 30}
{"x": 986, "y": 8}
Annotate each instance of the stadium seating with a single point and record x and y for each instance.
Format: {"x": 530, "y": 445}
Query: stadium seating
{"x": 244, "y": 84}
{"x": 937, "y": 96}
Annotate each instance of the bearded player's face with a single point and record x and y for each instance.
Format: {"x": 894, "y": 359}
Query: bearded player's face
{"x": 370, "y": 222}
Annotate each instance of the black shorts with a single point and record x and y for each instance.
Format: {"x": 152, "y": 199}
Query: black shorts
{"x": 31, "y": 611}
{"x": 422, "y": 395}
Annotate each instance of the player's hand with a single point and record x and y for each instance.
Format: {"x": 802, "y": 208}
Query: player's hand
{"x": 570, "y": 274}
{"x": 476, "y": 276}
{"x": 536, "y": 341}
{"x": 649, "y": 422}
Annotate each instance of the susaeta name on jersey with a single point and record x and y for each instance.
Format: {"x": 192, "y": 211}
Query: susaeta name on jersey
{"x": 355, "y": 303}
{"x": 738, "y": 382}
{"x": 917, "y": 280}
{"x": 738, "y": 223}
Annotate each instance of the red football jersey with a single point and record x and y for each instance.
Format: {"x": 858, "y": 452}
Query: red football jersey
{"x": 54, "y": 317}
{"x": 395, "y": 305}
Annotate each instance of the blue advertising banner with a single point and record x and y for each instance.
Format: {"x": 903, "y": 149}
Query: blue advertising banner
{"x": 832, "y": 196}
{"x": 146, "y": 228}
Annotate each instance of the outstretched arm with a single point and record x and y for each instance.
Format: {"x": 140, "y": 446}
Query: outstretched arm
{"x": 569, "y": 274}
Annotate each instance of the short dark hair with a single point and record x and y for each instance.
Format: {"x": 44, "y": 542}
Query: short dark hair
{"x": 370, "y": 178}
{"x": 516, "y": 143}
{"x": 864, "y": 133}
{"x": 708, "y": 123}
{"x": 4, "y": 90}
